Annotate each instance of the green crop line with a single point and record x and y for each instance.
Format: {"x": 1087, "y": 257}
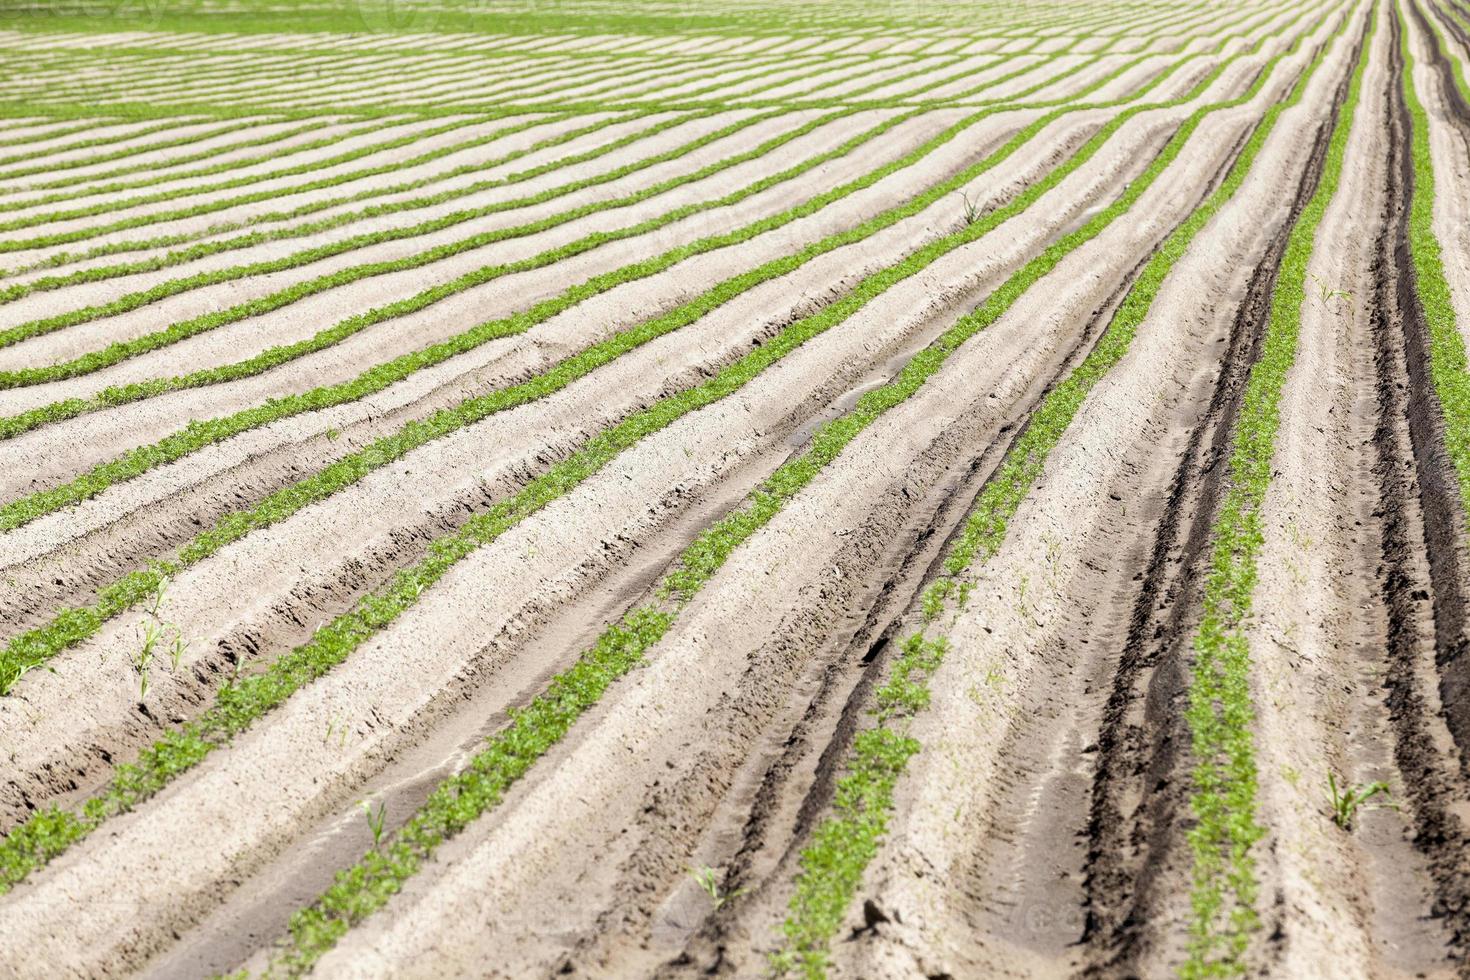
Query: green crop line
{"x": 354, "y": 79}
{"x": 71, "y": 626}
{"x": 1447, "y": 360}
{"x": 156, "y": 176}
{"x": 144, "y": 109}
{"x": 986, "y": 526}
{"x": 239, "y": 704}
{"x": 541, "y": 20}
{"x": 33, "y": 648}
{"x": 924, "y": 70}
{"x": 228, "y": 69}
{"x": 1453, "y": 18}
{"x": 222, "y": 82}
{"x": 567, "y": 72}
{"x": 140, "y": 80}
{"x": 845, "y": 842}
{"x": 375, "y": 379}
{"x": 24, "y": 331}
{"x": 147, "y": 69}
{"x": 8, "y": 294}
{"x": 842, "y": 846}
{"x": 209, "y": 207}
{"x": 276, "y": 356}
{"x": 75, "y": 180}
{"x": 134, "y": 300}
{"x": 617, "y": 78}
{"x": 1220, "y": 712}
{"x": 908, "y": 95}
{"x": 317, "y": 205}
{"x": 311, "y": 207}
{"x": 55, "y": 165}
{"x": 62, "y": 132}
{"x": 212, "y": 248}
{"x": 91, "y": 210}
{"x": 367, "y": 886}
{"x": 216, "y": 71}
{"x": 210, "y": 321}
{"x": 505, "y": 85}
{"x": 849, "y": 74}
{"x": 268, "y": 359}
{"x": 363, "y": 75}
{"x": 516, "y": 83}
{"x": 1453, "y": 12}
{"x": 809, "y": 74}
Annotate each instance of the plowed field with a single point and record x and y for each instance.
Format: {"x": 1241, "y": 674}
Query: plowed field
{"x": 623, "y": 489}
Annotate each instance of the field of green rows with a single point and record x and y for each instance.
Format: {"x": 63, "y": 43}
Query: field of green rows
{"x": 760, "y": 489}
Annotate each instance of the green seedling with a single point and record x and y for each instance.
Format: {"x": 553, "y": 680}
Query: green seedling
{"x": 176, "y": 651}
{"x": 1348, "y": 800}
{"x": 972, "y": 209}
{"x": 1326, "y": 294}
{"x": 152, "y": 632}
{"x": 156, "y": 597}
{"x": 336, "y": 725}
{"x": 934, "y": 596}
{"x": 1024, "y": 604}
{"x": 1053, "y": 544}
{"x": 375, "y": 820}
{"x": 964, "y": 591}
{"x": 708, "y": 880}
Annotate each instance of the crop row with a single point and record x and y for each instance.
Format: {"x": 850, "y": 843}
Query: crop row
{"x": 34, "y": 647}
{"x": 23, "y": 331}
{"x": 70, "y": 626}
{"x": 841, "y": 846}
{"x": 1447, "y": 360}
{"x": 129, "y": 134}
{"x": 1220, "y": 711}
{"x": 377, "y": 378}
{"x": 122, "y": 350}
{"x": 240, "y": 704}
{"x": 366, "y": 886}
{"x": 566, "y": 697}
{"x": 257, "y": 237}
{"x": 212, "y": 206}
{"x": 219, "y": 109}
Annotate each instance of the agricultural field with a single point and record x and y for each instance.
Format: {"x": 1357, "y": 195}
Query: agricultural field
{"x": 613, "y": 489}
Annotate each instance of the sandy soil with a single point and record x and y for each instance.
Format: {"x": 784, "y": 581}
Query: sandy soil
{"x": 1042, "y": 829}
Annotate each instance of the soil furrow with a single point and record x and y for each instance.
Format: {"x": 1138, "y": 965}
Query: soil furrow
{"x": 1358, "y": 895}
{"x": 797, "y": 771}
{"x": 623, "y": 916}
{"x": 1138, "y": 793}
{"x": 279, "y": 726}
{"x": 1422, "y": 541}
{"x": 606, "y": 489}
{"x": 307, "y": 600}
